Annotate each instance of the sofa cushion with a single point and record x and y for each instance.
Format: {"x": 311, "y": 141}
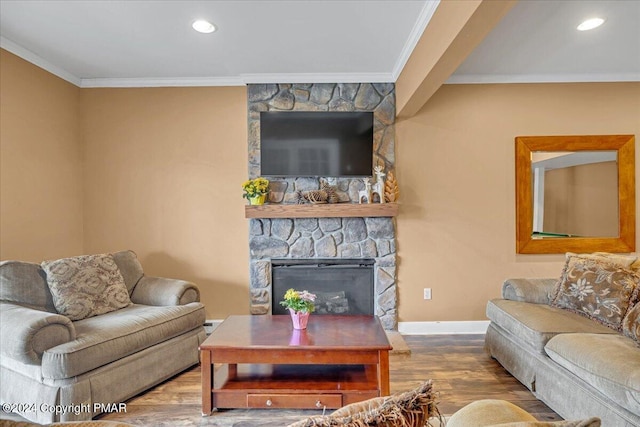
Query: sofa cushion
{"x": 25, "y": 283}
{"x": 631, "y": 323}
{"x": 609, "y": 363}
{"x": 598, "y": 288}
{"x": 536, "y": 324}
{"x": 129, "y": 267}
{"x": 109, "y": 337}
{"x": 86, "y": 285}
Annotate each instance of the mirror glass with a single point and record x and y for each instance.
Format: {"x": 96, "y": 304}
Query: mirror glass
{"x": 575, "y": 194}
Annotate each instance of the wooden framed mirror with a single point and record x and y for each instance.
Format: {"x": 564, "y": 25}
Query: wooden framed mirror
{"x": 611, "y": 197}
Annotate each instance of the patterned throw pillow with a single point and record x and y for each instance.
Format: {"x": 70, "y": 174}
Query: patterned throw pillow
{"x": 619, "y": 259}
{"x": 636, "y": 263}
{"x": 86, "y": 286}
{"x": 597, "y": 288}
{"x": 411, "y": 408}
{"x": 631, "y": 323}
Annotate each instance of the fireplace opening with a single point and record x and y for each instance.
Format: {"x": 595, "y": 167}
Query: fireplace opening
{"x": 342, "y": 286}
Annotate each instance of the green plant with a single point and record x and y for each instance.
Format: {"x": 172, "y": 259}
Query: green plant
{"x": 255, "y": 187}
{"x": 300, "y": 301}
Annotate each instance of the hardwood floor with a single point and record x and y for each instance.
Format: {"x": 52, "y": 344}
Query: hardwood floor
{"x": 458, "y": 365}
{"x": 462, "y": 372}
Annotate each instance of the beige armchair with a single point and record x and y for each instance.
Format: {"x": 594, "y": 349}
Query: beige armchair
{"x": 55, "y": 369}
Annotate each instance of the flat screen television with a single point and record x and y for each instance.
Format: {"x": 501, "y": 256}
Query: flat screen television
{"x": 327, "y": 144}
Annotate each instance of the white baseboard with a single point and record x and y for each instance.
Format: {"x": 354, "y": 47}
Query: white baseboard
{"x": 443, "y": 328}
{"x": 413, "y": 328}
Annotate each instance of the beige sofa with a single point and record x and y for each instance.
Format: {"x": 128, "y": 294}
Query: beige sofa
{"x": 55, "y": 369}
{"x": 577, "y": 366}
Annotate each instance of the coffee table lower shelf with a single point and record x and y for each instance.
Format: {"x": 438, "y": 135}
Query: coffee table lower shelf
{"x": 293, "y": 386}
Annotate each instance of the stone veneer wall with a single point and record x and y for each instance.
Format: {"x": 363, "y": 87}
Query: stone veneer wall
{"x": 324, "y": 237}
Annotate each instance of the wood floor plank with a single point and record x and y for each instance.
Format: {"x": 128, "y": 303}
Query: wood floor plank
{"x": 460, "y": 369}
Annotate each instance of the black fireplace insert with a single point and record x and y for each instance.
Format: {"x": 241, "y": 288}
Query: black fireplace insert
{"x": 342, "y": 286}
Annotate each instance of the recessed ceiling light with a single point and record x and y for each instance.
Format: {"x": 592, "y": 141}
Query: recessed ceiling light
{"x": 203, "y": 26}
{"x": 590, "y": 24}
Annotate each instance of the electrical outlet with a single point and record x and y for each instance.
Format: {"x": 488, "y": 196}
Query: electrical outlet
{"x": 427, "y": 293}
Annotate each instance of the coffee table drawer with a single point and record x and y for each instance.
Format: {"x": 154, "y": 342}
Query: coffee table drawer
{"x": 294, "y": 401}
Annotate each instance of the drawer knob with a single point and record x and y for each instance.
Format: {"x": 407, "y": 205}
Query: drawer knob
{"x": 318, "y": 404}
{"x": 269, "y": 402}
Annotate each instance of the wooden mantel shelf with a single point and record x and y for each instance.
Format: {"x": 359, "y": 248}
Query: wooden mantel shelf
{"x": 337, "y": 210}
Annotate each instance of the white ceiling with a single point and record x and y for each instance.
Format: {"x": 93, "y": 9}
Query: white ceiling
{"x": 256, "y": 40}
{"x": 95, "y": 43}
{"x": 538, "y": 42}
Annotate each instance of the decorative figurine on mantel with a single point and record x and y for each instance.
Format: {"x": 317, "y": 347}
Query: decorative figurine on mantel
{"x": 326, "y": 194}
{"x": 381, "y": 191}
{"x": 378, "y": 188}
{"x": 391, "y": 191}
{"x": 366, "y": 193}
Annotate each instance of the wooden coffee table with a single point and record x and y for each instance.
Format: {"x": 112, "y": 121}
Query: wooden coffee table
{"x": 337, "y": 360}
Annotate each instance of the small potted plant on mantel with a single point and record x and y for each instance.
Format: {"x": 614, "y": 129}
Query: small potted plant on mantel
{"x": 300, "y": 305}
{"x": 256, "y": 190}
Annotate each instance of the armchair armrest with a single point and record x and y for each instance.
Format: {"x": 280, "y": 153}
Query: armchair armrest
{"x": 537, "y": 291}
{"x": 161, "y": 291}
{"x": 26, "y": 333}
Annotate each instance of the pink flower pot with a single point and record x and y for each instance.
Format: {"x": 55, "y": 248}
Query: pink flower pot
{"x": 299, "y": 319}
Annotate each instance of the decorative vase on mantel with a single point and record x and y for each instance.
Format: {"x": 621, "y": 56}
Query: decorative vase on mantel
{"x": 299, "y": 319}
{"x": 257, "y": 200}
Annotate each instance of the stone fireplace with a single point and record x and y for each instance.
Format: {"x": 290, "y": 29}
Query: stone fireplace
{"x": 320, "y": 237}
{"x": 372, "y": 238}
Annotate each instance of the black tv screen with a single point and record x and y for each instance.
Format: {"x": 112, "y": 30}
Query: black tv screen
{"x": 328, "y": 144}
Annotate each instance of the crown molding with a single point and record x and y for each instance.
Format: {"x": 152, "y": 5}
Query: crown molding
{"x": 318, "y": 78}
{"x": 37, "y": 60}
{"x": 161, "y": 82}
{"x": 424, "y": 17}
{"x": 542, "y": 78}
{"x": 241, "y": 80}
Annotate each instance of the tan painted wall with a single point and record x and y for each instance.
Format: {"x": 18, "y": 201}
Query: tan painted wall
{"x": 456, "y": 228}
{"x": 164, "y": 168}
{"x": 40, "y": 163}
